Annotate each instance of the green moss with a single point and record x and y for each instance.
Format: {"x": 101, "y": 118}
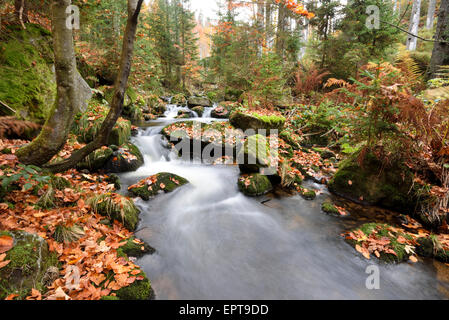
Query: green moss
{"x": 30, "y": 259}
{"x": 127, "y": 158}
{"x": 254, "y": 185}
{"x": 27, "y": 82}
{"x": 168, "y": 180}
{"x": 291, "y": 138}
{"x": 328, "y": 207}
{"x": 138, "y": 290}
{"x": 308, "y": 195}
{"x": 112, "y": 298}
{"x": 96, "y": 160}
{"x": 116, "y": 207}
{"x": 374, "y": 184}
{"x": 431, "y": 247}
{"x": 199, "y": 111}
{"x": 133, "y": 249}
{"x": 256, "y": 122}
{"x": 255, "y": 154}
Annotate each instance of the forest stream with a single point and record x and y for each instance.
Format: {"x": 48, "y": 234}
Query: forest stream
{"x": 212, "y": 242}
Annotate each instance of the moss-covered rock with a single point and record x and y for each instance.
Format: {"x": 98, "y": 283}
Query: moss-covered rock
{"x": 198, "y": 110}
{"x": 96, "y": 160}
{"x": 179, "y": 99}
{"x": 27, "y": 83}
{"x": 138, "y": 290}
{"x": 256, "y": 122}
{"x": 373, "y": 184}
{"x": 254, "y": 155}
{"x": 29, "y": 266}
{"x": 161, "y": 182}
{"x": 116, "y": 207}
{"x": 159, "y": 109}
{"x": 431, "y": 247}
{"x": 110, "y": 298}
{"x": 308, "y": 194}
{"x": 127, "y": 158}
{"x": 199, "y": 101}
{"x": 291, "y": 138}
{"x": 392, "y": 245}
{"x": 329, "y": 207}
{"x": 254, "y": 185}
{"x": 135, "y": 248}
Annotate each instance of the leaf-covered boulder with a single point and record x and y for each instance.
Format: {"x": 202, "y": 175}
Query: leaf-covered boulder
{"x": 31, "y": 265}
{"x": 383, "y": 241}
{"x": 162, "y": 182}
{"x": 126, "y": 158}
{"x": 374, "y": 184}
{"x": 116, "y": 207}
{"x": 199, "y": 101}
{"x": 254, "y": 184}
{"x": 254, "y": 121}
{"x": 254, "y": 154}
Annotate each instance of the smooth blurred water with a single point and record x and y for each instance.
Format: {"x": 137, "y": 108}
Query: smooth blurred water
{"x": 214, "y": 243}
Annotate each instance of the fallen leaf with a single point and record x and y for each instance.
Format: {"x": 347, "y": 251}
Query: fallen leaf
{"x": 6, "y": 243}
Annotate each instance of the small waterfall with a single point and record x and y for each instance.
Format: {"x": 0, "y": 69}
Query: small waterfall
{"x": 173, "y": 109}
{"x": 208, "y": 111}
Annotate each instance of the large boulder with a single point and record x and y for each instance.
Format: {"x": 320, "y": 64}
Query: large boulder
{"x": 159, "y": 183}
{"x": 254, "y": 184}
{"x": 256, "y": 122}
{"x": 31, "y": 265}
{"x": 199, "y": 101}
{"x": 254, "y": 155}
{"x": 374, "y": 184}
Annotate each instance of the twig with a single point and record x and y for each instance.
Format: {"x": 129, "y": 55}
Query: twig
{"x": 414, "y": 35}
{"x": 7, "y": 107}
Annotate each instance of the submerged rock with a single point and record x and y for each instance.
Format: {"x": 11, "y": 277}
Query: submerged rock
{"x": 152, "y": 186}
{"x": 254, "y": 185}
{"x": 31, "y": 265}
{"x": 256, "y": 122}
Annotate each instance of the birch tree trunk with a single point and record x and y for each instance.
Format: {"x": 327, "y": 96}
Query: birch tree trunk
{"x": 414, "y": 25}
{"x": 440, "y": 54}
{"x": 431, "y": 14}
{"x": 56, "y": 129}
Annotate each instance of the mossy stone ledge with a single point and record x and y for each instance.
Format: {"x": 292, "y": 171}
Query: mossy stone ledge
{"x": 162, "y": 182}
{"x": 31, "y": 265}
{"x": 254, "y": 155}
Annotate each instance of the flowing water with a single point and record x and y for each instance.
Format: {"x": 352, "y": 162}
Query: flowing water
{"x": 214, "y": 243}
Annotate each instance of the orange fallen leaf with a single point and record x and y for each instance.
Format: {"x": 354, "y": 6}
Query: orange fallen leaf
{"x": 11, "y": 296}
{"x": 413, "y": 259}
{"x": 6, "y": 243}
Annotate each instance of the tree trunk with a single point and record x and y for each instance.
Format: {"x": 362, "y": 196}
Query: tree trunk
{"x": 440, "y": 54}
{"x": 414, "y": 25}
{"x": 268, "y": 24}
{"x": 56, "y": 129}
{"x": 431, "y": 14}
{"x": 21, "y": 11}
{"x": 121, "y": 84}
{"x": 280, "y": 33}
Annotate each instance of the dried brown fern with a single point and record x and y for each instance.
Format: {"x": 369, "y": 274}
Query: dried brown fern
{"x": 11, "y": 128}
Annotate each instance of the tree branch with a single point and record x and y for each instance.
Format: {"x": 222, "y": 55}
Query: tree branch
{"x": 414, "y": 35}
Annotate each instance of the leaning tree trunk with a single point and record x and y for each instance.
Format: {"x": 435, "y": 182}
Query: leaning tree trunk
{"x": 56, "y": 129}
{"x": 414, "y": 25}
{"x": 121, "y": 84}
{"x": 440, "y": 54}
{"x": 431, "y": 14}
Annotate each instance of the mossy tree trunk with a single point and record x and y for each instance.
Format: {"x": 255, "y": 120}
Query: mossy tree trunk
{"x": 56, "y": 129}
{"x": 121, "y": 84}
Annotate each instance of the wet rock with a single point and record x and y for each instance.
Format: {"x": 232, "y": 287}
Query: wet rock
{"x": 135, "y": 248}
{"x": 127, "y": 158}
{"x": 254, "y": 185}
{"x": 162, "y": 182}
{"x": 308, "y": 194}
{"x": 329, "y": 208}
{"x": 30, "y": 266}
{"x": 431, "y": 247}
{"x": 199, "y": 111}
